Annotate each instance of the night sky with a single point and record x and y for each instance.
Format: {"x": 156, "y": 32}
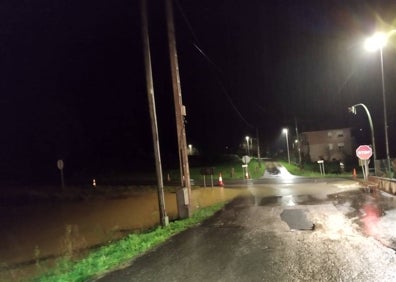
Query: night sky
{"x": 72, "y": 78}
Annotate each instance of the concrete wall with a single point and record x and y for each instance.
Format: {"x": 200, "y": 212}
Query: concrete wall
{"x": 385, "y": 184}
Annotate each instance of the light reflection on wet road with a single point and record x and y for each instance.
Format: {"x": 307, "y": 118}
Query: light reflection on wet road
{"x": 97, "y": 221}
{"x": 255, "y": 238}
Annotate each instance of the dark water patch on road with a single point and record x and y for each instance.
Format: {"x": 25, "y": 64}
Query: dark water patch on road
{"x": 374, "y": 212}
{"x": 353, "y": 203}
{"x": 296, "y": 219}
{"x": 290, "y": 200}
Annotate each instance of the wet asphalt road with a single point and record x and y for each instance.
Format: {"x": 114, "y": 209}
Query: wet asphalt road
{"x": 249, "y": 241}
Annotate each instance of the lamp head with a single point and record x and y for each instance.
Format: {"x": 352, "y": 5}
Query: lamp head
{"x": 376, "y": 42}
{"x": 352, "y": 110}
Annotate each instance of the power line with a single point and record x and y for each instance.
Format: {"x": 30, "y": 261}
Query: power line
{"x": 213, "y": 64}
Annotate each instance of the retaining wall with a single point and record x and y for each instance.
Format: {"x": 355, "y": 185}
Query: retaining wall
{"x": 385, "y": 184}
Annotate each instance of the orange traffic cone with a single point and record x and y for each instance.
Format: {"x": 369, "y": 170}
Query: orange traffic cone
{"x": 221, "y": 184}
{"x": 354, "y": 173}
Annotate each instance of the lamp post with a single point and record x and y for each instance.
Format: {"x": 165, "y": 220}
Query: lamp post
{"x": 286, "y": 131}
{"x": 247, "y": 143}
{"x": 378, "y": 42}
{"x": 352, "y": 109}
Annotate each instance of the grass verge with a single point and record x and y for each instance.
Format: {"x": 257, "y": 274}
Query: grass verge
{"x": 229, "y": 170}
{"x": 309, "y": 171}
{"x": 111, "y": 256}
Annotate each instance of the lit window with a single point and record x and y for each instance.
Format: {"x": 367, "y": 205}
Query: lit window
{"x": 329, "y": 134}
{"x": 340, "y": 146}
{"x": 330, "y": 146}
{"x": 340, "y": 133}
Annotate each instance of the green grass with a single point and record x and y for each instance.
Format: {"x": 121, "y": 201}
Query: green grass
{"x": 256, "y": 170}
{"x": 310, "y": 170}
{"x": 111, "y": 256}
{"x": 229, "y": 170}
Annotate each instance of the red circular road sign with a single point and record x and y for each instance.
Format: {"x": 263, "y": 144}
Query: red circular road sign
{"x": 364, "y": 152}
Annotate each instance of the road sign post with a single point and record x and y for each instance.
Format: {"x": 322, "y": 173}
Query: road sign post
{"x": 364, "y": 153}
{"x": 60, "y": 166}
{"x": 246, "y": 160}
{"x": 321, "y": 167}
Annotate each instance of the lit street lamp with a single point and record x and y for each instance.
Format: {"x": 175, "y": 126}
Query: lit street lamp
{"x": 374, "y": 43}
{"x": 286, "y": 131}
{"x": 247, "y": 142}
{"x": 353, "y": 110}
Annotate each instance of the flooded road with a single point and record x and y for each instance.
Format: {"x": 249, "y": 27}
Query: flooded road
{"x": 51, "y": 229}
{"x": 259, "y": 237}
{"x": 42, "y": 232}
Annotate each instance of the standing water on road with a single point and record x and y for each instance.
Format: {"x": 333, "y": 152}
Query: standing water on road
{"x": 46, "y": 230}
{"x": 374, "y": 212}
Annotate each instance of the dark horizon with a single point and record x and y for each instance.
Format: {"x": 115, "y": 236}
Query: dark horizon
{"x": 72, "y": 78}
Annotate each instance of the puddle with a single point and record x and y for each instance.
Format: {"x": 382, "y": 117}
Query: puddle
{"x": 374, "y": 213}
{"x": 354, "y": 203}
{"x": 290, "y": 200}
{"x": 296, "y": 219}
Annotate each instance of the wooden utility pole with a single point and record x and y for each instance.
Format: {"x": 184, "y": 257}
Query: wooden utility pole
{"x": 180, "y": 110}
{"x": 153, "y": 116}
{"x": 298, "y": 143}
{"x": 258, "y": 147}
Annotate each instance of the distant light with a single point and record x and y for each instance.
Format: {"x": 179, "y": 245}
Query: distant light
{"x": 285, "y": 130}
{"x": 247, "y": 138}
{"x": 376, "y": 42}
{"x": 352, "y": 110}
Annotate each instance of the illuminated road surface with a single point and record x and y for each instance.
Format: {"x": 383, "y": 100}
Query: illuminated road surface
{"x": 249, "y": 241}
{"x": 27, "y": 228}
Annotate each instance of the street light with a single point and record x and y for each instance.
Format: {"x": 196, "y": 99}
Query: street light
{"x": 374, "y": 43}
{"x": 286, "y": 131}
{"x": 247, "y": 142}
{"x": 352, "y": 109}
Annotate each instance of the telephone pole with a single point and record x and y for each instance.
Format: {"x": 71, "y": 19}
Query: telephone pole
{"x": 298, "y": 143}
{"x": 180, "y": 110}
{"x": 153, "y": 116}
{"x": 258, "y": 147}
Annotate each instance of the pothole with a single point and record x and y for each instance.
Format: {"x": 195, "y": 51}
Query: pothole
{"x": 296, "y": 219}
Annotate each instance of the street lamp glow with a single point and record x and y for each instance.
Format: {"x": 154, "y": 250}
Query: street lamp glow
{"x": 286, "y": 131}
{"x": 247, "y": 142}
{"x": 376, "y": 42}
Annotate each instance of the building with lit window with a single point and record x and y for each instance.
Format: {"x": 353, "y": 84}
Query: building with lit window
{"x": 328, "y": 145}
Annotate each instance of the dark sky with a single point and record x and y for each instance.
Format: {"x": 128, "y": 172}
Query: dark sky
{"x": 72, "y": 77}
